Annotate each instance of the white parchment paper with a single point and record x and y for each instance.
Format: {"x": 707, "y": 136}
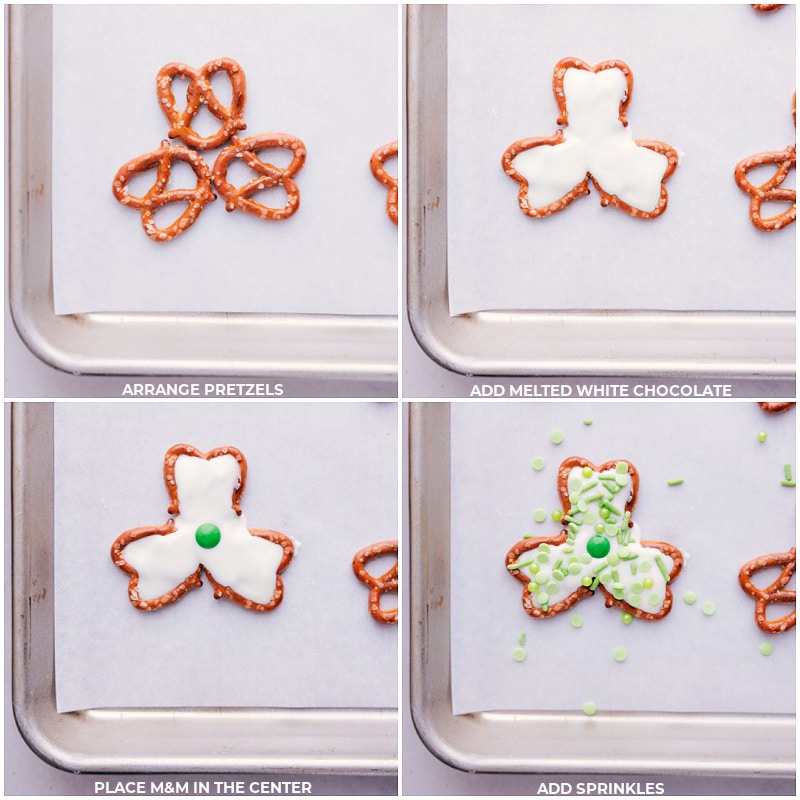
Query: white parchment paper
{"x": 730, "y": 509}
{"x": 326, "y": 74}
{"x": 714, "y": 81}
{"x": 324, "y": 474}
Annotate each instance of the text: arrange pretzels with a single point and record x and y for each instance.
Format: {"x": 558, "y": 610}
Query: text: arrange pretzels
{"x": 159, "y": 195}
{"x": 198, "y": 93}
{"x": 771, "y": 190}
{"x": 376, "y": 162}
{"x": 776, "y": 592}
{"x": 268, "y": 175}
{"x": 378, "y": 584}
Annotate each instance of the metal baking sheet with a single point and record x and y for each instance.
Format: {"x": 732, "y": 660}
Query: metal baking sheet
{"x": 742, "y": 745}
{"x": 521, "y": 342}
{"x": 223, "y": 740}
{"x": 291, "y": 345}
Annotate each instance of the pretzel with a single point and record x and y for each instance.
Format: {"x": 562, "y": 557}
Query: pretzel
{"x": 582, "y": 149}
{"x": 269, "y": 176}
{"x": 767, "y": 6}
{"x": 376, "y": 162}
{"x": 199, "y": 92}
{"x": 601, "y": 548}
{"x": 158, "y": 195}
{"x": 387, "y": 582}
{"x": 208, "y": 532}
{"x": 772, "y": 189}
{"x": 776, "y": 408}
{"x": 776, "y": 592}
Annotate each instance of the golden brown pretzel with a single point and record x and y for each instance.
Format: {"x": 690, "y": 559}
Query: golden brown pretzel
{"x": 776, "y": 408}
{"x": 268, "y": 175}
{"x": 387, "y": 582}
{"x": 772, "y": 190}
{"x": 767, "y": 6}
{"x": 158, "y": 195}
{"x": 582, "y": 188}
{"x": 198, "y": 93}
{"x": 515, "y": 562}
{"x": 776, "y": 592}
{"x": 376, "y": 162}
{"x": 193, "y": 579}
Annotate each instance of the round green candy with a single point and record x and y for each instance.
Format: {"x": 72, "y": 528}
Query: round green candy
{"x": 589, "y": 708}
{"x": 556, "y": 515}
{"x": 762, "y": 436}
{"x": 540, "y": 515}
{"x": 557, "y": 436}
{"x": 620, "y": 654}
{"x": 766, "y": 649}
{"x": 586, "y": 472}
{"x": 690, "y": 598}
{"x": 576, "y": 620}
{"x": 598, "y": 546}
{"x": 207, "y": 535}
{"x": 622, "y": 468}
{"x": 538, "y": 463}
{"x": 542, "y": 598}
{"x": 627, "y": 617}
{"x": 518, "y": 654}
{"x": 708, "y": 608}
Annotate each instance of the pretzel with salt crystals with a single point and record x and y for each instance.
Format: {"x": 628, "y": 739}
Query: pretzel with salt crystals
{"x": 387, "y": 582}
{"x": 772, "y": 189}
{"x": 583, "y": 147}
{"x": 233, "y": 556}
{"x": 767, "y": 6}
{"x": 376, "y": 162}
{"x": 268, "y": 175}
{"x": 775, "y": 408}
{"x": 198, "y": 93}
{"x": 158, "y": 195}
{"x": 776, "y": 592}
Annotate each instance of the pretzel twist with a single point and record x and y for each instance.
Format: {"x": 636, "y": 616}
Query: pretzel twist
{"x": 772, "y": 189}
{"x": 198, "y": 93}
{"x": 776, "y": 408}
{"x": 388, "y": 582}
{"x": 776, "y": 592}
{"x": 268, "y": 175}
{"x": 376, "y": 162}
{"x": 158, "y": 195}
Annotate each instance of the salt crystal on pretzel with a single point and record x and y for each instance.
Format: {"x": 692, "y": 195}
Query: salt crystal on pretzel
{"x": 199, "y": 93}
{"x": 268, "y": 176}
{"x": 158, "y": 195}
{"x": 376, "y": 162}
{"x": 594, "y": 144}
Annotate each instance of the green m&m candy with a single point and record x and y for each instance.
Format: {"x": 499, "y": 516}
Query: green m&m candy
{"x": 207, "y": 535}
{"x": 598, "y": 546}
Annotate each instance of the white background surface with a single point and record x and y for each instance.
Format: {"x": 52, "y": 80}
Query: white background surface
{"x": 730, "y": 509}
{"x": 325, "y": 474}
{"x": 327, "y": 74}
{"x": 713, "y": 81}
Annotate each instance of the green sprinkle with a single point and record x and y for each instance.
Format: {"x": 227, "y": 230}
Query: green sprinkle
{"x": 674, "y": 481}
{"x": 690, "y": 598}
{"x": 540, "y": 515}
{"x": 662, "y": 569}
{"x": 787, "y": 472}
{"x": 627, "y": 617}
{"x": 552, "y": 587}
{"x": 762, "y": 436}
{"x": 620, "y": 654}
{"x": 622, "y": 467}
{"x": 587, "y": 422}
{"x": 522, "y": 639}
{"x": 654, "y": 600}
{"x": 708, "y": 608}
{"x": 520, "y": 564}
{"x": 589, "y": 708}
{"x": 614, "y": 559}
{"x": 586, "y": 472}
{"x": 766, "y": 649}
{"x": 518, "y": 654}
{"x": 574, "y": 569}
{"x": 586, "y": 581}
{"x": 542, "y": 558}
{"x": 611, "y": 508}
{"x": 635, "y": 600}
{"x": 556, "y": 515}
{"x": 590, "y": 485}
{"x": 542, "y": 598}
{"x": 637, "y": 587}
{"x": 538, "y": 463}
{"x": 576, "y": 620}
{"x": 557, "y": 436}
{"x": 533, "y": 586}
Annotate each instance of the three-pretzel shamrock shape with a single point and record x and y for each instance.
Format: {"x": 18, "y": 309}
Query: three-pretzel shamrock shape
{"x": 600, "y": 548}
{"x": 207, "y": 533}
{"x": 595, "y": 144}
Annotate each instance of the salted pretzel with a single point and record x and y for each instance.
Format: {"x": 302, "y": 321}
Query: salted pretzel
{"x": 775, "y": 408}
{"x": 600, "y": 548}
{"x": 767, "y": 6}
{"x": 772, "y": 189}
{"x": 198, "y": 93}
{"x": 158, "y": 195}
{"x": 207, "y": 533}
{"x": 776, "y": 592}
{"x": 387, "y": 582}
{"x": 268, "y": 175}
{"x": 570, "y": 152}
{"x": 376, "y": 162}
